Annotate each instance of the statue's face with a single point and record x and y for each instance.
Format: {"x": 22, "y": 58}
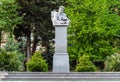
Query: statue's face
{"x": 61, "y": 10}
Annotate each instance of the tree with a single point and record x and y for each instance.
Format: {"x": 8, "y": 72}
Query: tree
{"x": 9, "y": 16}
{"x": 94, "y": 29}
{"x": 37, "y": 21}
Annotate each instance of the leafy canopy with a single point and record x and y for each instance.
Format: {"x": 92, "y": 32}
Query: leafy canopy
{"x": 8, "y": 14}
{"x": 94, "y": 28}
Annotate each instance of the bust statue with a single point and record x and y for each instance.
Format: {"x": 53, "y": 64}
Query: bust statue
{"x": 59, "y": 18}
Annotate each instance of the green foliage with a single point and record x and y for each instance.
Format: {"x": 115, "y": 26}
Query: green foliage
{"x": 94, "y": 28}
{"x": 12, "y": 58}
{"x": 37, "y": 63}
{"x": 37, "y": 19}
{"x": 12, "y": 46}
{"x": 8, "y": 15}
{"x": 112, "y": 62}
{"x": 85, "y": 64}
{"x": 9, "y": 61}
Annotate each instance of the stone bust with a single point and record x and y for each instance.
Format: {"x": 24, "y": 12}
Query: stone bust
{"x": 59, "y": 18}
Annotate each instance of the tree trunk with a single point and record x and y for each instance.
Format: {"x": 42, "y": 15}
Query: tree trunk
{"x": 0, "y": 36}
{"x": 34, "y": 44}
{"x": 28, "y": 49}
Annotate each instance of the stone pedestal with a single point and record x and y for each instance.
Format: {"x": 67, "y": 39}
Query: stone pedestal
{"x": 61, "y": 57}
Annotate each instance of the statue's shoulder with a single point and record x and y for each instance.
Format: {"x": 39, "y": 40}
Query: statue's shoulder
{"x": 53, "y": 12}
{"x": 64, "y": 14}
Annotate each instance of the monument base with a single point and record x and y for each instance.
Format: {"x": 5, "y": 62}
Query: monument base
{"x": 61, "y": 63}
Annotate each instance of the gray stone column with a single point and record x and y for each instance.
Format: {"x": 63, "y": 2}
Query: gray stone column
{"x": 61, "y": 58}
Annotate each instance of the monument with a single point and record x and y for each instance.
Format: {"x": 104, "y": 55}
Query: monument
{"x": 61, "y": 57}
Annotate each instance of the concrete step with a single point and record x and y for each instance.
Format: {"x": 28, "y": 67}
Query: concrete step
{"x": 62, "y": 75}
{"x": 42, "y": 74}
{"x": 2, "y": 75}
{"x": 62, "y": 79}
{"x": 49, "y": 76}
{"x": 73, "y": 73}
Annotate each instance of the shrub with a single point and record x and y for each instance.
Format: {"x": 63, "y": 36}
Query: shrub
{"x": 37, "y": 63}
{"x": 85, "y": 64}
{"x": 112, "y": 63}
{"x": 9, "y": 61}
{"x": 12, "y": 46}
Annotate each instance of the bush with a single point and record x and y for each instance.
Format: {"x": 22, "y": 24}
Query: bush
{"x": 9, "y": 61}
{"x": 112, "y": 63}
{"x": 37, "y": 63}
{"x": 85, "y": 65}
{"x": 12, "y": 46}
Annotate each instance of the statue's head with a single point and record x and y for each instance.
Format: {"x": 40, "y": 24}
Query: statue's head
{"x": 61, "y": 9}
